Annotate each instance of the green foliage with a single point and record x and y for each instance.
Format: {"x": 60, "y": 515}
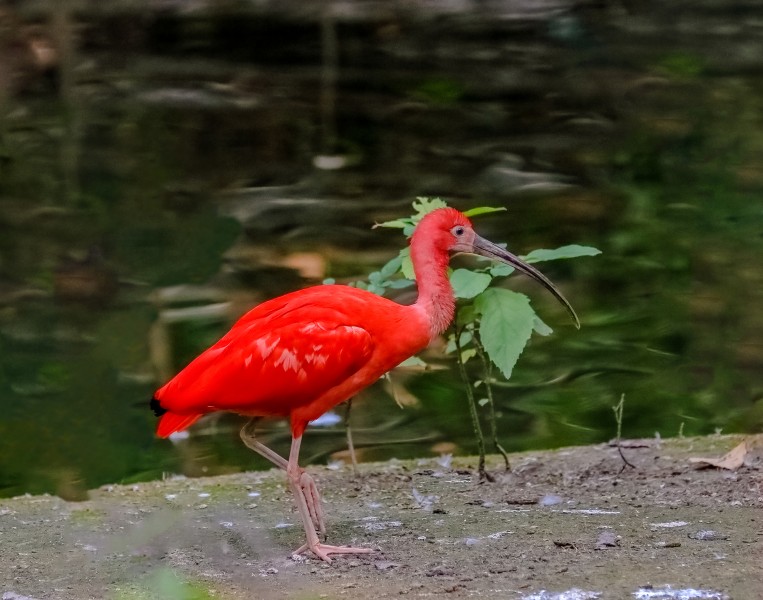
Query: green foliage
{"x": 501, "y": 321}
{"x": 506, "y": 323}
{"x": 482, "y": 210}
{"x": 467, "y": 283}
{"x": 421, "y": 207}
{"x": 395, "y": 274}
{"x": 571, "y": 251}
{"x": 492, "y": 322}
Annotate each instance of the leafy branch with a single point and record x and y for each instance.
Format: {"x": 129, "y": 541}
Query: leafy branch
{"x": 492, "y": 323}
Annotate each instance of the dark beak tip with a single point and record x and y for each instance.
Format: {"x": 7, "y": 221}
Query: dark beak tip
{"x": 573, "y": 315}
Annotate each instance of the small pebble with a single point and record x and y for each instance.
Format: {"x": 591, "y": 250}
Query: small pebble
{"x": 607, "y": 539}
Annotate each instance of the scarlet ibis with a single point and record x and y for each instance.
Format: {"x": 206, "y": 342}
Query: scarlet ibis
{"x": 302, "y": 353}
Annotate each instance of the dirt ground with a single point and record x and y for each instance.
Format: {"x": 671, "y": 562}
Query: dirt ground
{"x": 566, "y": 524}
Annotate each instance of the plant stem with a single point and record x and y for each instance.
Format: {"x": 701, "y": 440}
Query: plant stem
{"x": 348, "y": 431}
{"x": 483, "y": 474}
{"x": 618, "y": 410}
{"x": 487, "y": 368}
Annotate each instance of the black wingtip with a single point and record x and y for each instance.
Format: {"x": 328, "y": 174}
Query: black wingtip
{"x": 156, "y": 407}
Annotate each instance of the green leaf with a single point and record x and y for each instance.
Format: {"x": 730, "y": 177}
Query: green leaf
{"x": 467, "y": 354}
{"x": 406, "y": 266}
{"x": 481, "y": 210}
{"x": 482, "y": 401}
{"x": 391, "y": 267}
{"x": 506, "y": 325}
{"x": 399, "y": 284}
{"x": 395, "y": 224}
{"x": 467, "y": 314}
{"x": 424, "y": 205}
{"x": 421, "y": 207}
{"x": 540, "y": 327}
{"x": 413, "y": 361}
{"x": 329, "y": 281}
{"x": 467, "y": 284}
{"x": 466, "y": 337}
{"x": 501, "y": 270}
{"x": 571, "y": 251}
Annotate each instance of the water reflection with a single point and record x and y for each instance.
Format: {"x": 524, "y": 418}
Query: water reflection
{"x": 146, "y": 203}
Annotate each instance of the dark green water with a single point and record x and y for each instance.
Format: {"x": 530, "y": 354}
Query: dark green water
{"x": 170, "y": 181}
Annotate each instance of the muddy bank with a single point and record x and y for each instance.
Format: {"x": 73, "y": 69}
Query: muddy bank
{"x": 574, "y": 518}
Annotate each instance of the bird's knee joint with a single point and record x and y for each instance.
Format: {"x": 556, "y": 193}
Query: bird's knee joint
{"x": 294, "y": 475}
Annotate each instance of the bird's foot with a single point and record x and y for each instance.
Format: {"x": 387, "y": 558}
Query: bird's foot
{"x": 313, "y": 502}
{"x": 323, "y": 551}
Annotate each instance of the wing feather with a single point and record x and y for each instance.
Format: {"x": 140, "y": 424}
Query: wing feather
{"x": 266, "y": 368}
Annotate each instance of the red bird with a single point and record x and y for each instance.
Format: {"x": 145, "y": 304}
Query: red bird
{"x": 301, "y": 354}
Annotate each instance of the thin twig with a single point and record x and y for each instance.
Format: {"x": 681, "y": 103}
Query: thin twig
{"x": 487, "y": 368}
{"x": 626, "y": 462}
{"x": 618, "y": 410}
{"x": 348, "y": 431}
{"x": 483, "y": 474}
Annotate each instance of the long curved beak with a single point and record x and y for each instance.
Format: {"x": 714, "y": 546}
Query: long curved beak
{"x": 488, "y": 249}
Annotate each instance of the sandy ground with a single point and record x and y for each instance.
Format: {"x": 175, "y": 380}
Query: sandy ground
{"x": 565, "y": 524}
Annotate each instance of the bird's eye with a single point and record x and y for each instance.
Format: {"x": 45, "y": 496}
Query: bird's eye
{"x": 458, "y": 230}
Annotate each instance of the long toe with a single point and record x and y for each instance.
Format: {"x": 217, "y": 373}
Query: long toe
{"x": 324, "y": 551}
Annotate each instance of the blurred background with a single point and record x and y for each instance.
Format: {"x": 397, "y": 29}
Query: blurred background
{"x": 167, "y": 164}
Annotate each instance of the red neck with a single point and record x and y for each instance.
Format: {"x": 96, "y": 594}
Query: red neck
{"x": 435, "y": 292}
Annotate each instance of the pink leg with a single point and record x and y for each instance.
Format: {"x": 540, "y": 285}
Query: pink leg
{"x": 295, "y": 477}
{"x": 250, "y": 441}
{"x": 308, "y": 488}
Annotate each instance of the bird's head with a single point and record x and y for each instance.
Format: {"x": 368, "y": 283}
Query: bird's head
{"x": 451, "y": 232}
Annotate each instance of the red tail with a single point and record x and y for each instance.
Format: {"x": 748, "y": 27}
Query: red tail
{"x": 172, "y": 422}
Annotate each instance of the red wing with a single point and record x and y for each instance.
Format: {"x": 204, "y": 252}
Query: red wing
{"x": 261, "y": 369}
